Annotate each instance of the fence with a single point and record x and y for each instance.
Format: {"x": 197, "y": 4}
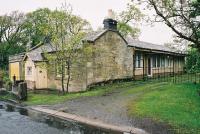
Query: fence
{"x": 167, "y": 75}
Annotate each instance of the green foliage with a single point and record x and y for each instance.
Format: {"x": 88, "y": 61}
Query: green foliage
{"x": 19, "y": 32}
{"x": 126, "y": 29}
{"x": 179, "y": 15}
{"x": 193, "y": 61}
{"x": 12, "y": 38}
{"x": 5, "y": 78}
{"x": 6, "y": 50}
{"x": 128, "y": 21}
{"x": 196, "y": 8}
{"x": 37, "y": 26}
{"x": 65, "y": 32}
{"x": 177, "y": 105}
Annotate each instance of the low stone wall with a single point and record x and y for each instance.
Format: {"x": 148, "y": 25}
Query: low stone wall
{"x": 102, "y": 83}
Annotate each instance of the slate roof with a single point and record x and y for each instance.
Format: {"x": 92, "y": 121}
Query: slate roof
{"x": 35, "y": 54}
{"x": 150, "y": 46}
{"x": 16, "y": 58}
{"x": 91, "y": 37}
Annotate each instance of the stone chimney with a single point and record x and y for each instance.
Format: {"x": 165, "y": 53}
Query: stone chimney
{"x": 110, "y": 22}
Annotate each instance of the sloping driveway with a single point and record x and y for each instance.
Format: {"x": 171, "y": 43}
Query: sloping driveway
{"x": 112, "y": 107}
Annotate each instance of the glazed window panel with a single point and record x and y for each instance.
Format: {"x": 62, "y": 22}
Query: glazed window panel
{"x": 163, "y": 62}
{"x": 158, "y": 61}
{"x": 154, "y": 61}
{"x": 138, "y": 60}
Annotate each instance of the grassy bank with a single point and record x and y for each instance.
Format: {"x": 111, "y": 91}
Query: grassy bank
{"x": 178, "y": 105}
{"x": 5, "y": 95}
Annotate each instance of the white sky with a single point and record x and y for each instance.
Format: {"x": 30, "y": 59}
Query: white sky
{"x": 92, "y": 10}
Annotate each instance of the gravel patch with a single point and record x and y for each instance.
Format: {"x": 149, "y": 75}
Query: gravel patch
{"x": 111, "y": 108}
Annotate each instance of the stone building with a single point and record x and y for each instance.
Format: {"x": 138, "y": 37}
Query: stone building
{"x": 116, "y": 58}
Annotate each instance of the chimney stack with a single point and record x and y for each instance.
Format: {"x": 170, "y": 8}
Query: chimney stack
{"x": 110, "y": 22}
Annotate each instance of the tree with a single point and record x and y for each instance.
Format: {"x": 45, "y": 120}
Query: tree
{"x": 67, "y": 31}
{"x": 128, "y": 21}
{"x": 12, "y": 38}
{"x": 37, "y": 26}
{"x": 180, "y": 16}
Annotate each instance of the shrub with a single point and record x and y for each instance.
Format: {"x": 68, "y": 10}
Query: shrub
{"x": 6, "y": 80}
{"x": 193, "y": 61}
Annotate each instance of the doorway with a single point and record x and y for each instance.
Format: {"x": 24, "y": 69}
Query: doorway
{"x": 41, "y": 82}
{"x": 149, "y": 69}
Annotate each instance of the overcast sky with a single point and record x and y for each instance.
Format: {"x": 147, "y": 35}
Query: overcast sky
{"x": 92, "y": 10}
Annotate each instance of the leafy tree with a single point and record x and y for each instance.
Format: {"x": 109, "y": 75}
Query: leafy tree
{"x": 180, "y": 16}
{"x": 37, "y": 26}
{"x": 12, "y": 38}
{"x": 128, "y": 21}
{"x": 67, "y": 31}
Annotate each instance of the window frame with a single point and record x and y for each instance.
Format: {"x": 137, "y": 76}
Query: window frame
{"x": 138, "y": 60}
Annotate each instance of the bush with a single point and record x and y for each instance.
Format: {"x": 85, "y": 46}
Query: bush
{"x": 6, "y": 80}
{"x": 193, "y": 61}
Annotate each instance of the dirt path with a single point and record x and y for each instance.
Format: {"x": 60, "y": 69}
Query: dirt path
{"x": 112, "y": 108}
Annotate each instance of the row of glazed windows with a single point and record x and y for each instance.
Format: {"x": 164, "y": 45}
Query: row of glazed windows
{"x": 158, "y": 61}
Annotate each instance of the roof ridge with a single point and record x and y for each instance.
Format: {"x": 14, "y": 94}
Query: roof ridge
{"x": 36, "y": 46}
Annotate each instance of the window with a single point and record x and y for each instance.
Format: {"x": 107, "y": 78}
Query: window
{"x": 163, "y": 61}
{"x": 138, "y": 60}
{"x": 154, "y": 61}
{"x": 171, "y": 62}
{"x": 167, "y": 62}
{"x": 180, "y": 62}
{"x": 29, "y": 70}
{"x": 158, "y": 61}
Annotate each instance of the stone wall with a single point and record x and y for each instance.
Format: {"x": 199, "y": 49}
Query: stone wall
{"x": 78, "y": 80}
{"x": 110, "y": 59}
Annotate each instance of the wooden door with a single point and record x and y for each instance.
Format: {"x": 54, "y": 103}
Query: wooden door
{"x": 41, "y": 78}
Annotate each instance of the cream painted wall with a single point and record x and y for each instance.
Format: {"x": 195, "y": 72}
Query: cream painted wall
{"x": 30, "y": 63}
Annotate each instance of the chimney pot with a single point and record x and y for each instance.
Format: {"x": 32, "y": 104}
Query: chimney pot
{"x": 109, "y": 22}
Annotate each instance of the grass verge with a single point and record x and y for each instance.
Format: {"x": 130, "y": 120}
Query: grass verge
{"x": 4, "y": 95}
{"x": 178, "y": 105}
{"x": 53, "y": 98}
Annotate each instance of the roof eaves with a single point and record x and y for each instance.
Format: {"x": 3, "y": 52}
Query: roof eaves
{"x": 161, "y": 51}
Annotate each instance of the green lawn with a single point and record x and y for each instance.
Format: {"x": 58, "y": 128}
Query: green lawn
{"x": 53, "y": 98}
{"x": 178, "y": 105}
